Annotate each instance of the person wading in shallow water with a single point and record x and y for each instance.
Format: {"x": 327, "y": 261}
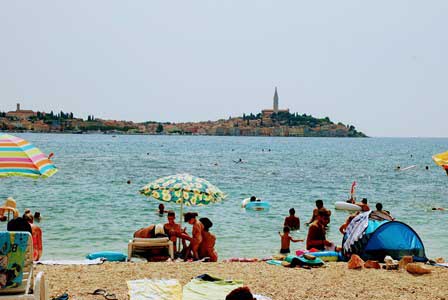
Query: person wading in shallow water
{"x": 292, "y": 221}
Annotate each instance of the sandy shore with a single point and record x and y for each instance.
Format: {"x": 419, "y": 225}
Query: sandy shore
{"x": 334, "y": 281}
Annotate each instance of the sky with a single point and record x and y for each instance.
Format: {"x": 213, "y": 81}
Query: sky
{"x": 378, "y": 65}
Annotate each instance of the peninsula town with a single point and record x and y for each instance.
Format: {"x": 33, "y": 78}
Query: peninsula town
{"x": 269, "y": 122}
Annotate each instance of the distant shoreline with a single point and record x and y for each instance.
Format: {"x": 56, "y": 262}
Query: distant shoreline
{"x": 173, "y": 134}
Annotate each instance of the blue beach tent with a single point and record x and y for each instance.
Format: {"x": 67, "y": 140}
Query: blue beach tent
{"x": 393, "y": 238}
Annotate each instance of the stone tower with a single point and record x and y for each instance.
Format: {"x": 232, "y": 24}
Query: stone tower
{"x": 275, "y": 101}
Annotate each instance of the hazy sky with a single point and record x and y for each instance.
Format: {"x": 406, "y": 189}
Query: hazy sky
{"x": 379, "y": 65}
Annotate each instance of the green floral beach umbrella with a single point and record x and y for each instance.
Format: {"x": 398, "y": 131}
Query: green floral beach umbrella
{"x": 183, "y": 189}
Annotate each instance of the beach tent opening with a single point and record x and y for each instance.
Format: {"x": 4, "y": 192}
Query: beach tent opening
{"x": 379, "y": 239}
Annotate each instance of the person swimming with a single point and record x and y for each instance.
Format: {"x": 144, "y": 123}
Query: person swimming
{"x": 161, "y": 209}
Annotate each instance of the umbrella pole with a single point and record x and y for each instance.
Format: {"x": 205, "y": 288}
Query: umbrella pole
{"x": 180, "y": 223}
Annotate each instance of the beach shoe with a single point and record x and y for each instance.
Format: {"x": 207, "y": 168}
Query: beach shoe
{"x": 104, "y": 293}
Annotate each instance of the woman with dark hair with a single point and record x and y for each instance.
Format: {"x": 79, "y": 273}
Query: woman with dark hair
{"x": 207, "y": 247}
{"x": 198, "y": 228}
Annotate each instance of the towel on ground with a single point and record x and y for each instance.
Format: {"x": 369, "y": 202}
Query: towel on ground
{"x": 155, "y": 289}
{"x": 217, "y": 289}
{"x": 97, "y": 261}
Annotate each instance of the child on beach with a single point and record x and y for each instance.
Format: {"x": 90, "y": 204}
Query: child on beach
{"x": 286, "y": 240}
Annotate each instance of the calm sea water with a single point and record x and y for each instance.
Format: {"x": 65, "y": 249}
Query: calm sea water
{"x": 88, "y": 206}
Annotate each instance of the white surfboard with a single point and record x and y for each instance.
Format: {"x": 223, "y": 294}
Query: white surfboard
{"x": 408, "y": 168}
{"x": 342, "y": 205}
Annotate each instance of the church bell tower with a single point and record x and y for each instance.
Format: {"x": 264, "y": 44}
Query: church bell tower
{"x": 275, "y": 101}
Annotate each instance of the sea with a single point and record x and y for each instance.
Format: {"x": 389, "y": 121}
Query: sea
{"x": 88, "y": 205}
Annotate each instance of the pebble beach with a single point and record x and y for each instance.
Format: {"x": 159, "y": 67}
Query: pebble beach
{"x": 334, "y": 281}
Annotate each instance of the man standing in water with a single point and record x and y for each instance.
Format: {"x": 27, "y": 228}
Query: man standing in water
{"x": 292, "y": 221}
{"x": 319, "y": 205}
{"x": 316, "y": 237}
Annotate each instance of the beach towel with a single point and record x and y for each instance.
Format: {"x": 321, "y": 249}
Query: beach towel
{"x": 97, "y": 261}
{"x": 355, "y": 229}
{"x": 199, "y": 289}
{"x": 154, "y": 289}
{"x": 12, "y": 258}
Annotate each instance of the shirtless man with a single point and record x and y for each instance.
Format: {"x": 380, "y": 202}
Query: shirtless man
{"x": 319, "y": 205}
{"x": 292, "y": 221}
{"x": 316, "y": 237}
{"x": 174, "y": 231}
{"x": 364, "y": 206}
{"x": 198, "y": 228}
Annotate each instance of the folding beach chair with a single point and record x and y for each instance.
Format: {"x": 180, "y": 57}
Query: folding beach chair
{"x": 139, "y": 246}
{"x": 16, "y": 268}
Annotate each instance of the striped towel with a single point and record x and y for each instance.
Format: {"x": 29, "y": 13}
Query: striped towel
{"x": 355, "y": 229}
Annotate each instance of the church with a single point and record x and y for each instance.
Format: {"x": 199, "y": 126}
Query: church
{"x": 266, "y": 113}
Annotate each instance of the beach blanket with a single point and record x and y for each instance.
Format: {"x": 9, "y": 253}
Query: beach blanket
{"x": 97, "y": 261}
{"x": 154, "y": 289}
{"x": 355, "y": 229}
{"x": 199, "y": 289}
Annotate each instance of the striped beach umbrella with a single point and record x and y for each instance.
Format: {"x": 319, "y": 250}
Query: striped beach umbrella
{"x": 183, "y": 189}
{"x": 18, "y": 157}
{"x": 441, "y": 159}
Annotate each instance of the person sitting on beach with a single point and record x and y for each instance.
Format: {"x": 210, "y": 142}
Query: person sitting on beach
{"x": 316, "y": 237}
{"x": 19, "y": 224}
{"x": 286, "y": 240}
{"x": 207, "y": 247}
{"x": 174, "y": 231}
{"x": 36, "y": 233}
{"x": 241, "y": 293}
{"x": 319, "y": 205}
{"x": 152, "y": 231}
{"x": 292, "y": 221}
{"x": 363, "y": 205}
{"x": 198, "y": 228}
{"x": 380, "y": 215}
{"x": 344, "y": 226}
{"x": 161, "y": 209}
